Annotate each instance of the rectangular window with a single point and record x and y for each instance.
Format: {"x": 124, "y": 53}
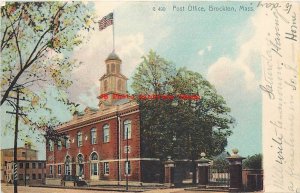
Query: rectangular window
{"x": 33, "y": 176}
{"x": 51, "y": 169}
{"x": 40, "y": 176}
{"x": 59, "y": 146}
{"x": 94, "y": 169}
{"x": 59, "y": 169}
{"x": 67, "y": 142}
{"x": 51, "y": 145}
{"x": 27, "y": 165}
{"x": 93, "y": 136}
{"x": 40, "y": 165}
{"x": 79, "y": 139}
{"x": 44, "y": 165}
{"x": 106, "y": 134}
{"x": 127, "y": 168}
{"x": 127, "y": 129}
{"x": 21, "y": 165}
{"x": 106, "y": 168}
{"x": 33, "y": 165}
{"x": 21, "y": 176}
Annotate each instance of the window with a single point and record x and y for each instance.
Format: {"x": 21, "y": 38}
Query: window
{"x": 94, "y": 164}
{"x": 39, "y": 165}
{"x": 23, "y": 154}
{"x": 59, "y": 169}
{"x": 21, "y": 165}
{"x": 21, "y": 177}
{"x": 44, "y": 165}
{"x": 119, "y": 85}
{"x": 27, "y": 165}
{"x": 105, "y": 85}
{"x": 118, "y": 68}
{"x": 51, "y": 169}
{"x": 59, "y": 146}
{"x": 93, "y": 136}
{"x": 107, "y": 68}
{"x": 106, "y": 168}
{"x": 127, "y": 129}
{"x": 68, "y": 166}
{"x": 79, "y": 139}
{"x": 113, "y": 67}
{"x": 51, "y": 145}
{"x": 106, "y": 133}
{"x": 33, "y": 176}
{"x": 33, "y": 165}
{"x": 67, "y": 142}
{"x": 40, "y": 176}
{"x": 127, "y": 168}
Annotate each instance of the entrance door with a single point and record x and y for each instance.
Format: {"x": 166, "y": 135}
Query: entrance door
{"x": 80, "y": 170}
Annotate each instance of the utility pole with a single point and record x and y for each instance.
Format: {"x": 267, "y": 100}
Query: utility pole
{"x": 17, "y": 113}
{"x": 127, "y": 151}
{"x": 25, "y": 162}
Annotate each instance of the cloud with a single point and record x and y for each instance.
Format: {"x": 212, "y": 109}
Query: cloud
{"x": 209, "y": 48}
{"x": 240, "y": 75}
{"x": 201, "y": 52}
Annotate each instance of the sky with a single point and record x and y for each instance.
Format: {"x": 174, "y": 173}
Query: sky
{"x": 222, "y": 46}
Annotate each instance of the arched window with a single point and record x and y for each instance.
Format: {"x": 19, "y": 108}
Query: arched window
{"x": 94, "y": 164}
{"x": 105, "y": 85}
{"x": 80, "y": 164}
{"x": 93, "y": 136}
{"x": 107, "y": 68}
{"x": 119, "y": 85}
{"x": 113, "y": 67}
{"x": 127, "y": 129}
{"x": 106, "y": 133}
{"x": 67, "y": 165}
{"x": 80, "y": 158}
{"x": 118, "y": 68}
{"x": 94, "y": 156}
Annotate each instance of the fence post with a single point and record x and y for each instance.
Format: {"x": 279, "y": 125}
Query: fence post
{"x": 202, "y": 168}
{"x": 235, "y": 170}
{"x": 169, "y": 172}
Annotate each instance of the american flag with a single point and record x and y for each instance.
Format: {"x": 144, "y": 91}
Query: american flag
{"x": 106, "y": 21}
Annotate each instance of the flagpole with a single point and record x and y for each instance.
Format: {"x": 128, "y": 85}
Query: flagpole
{"x": 113, "y": 30}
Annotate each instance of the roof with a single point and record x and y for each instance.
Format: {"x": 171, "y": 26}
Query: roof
{"x": 121, "y": 101}
{"x": 113, "y": 56}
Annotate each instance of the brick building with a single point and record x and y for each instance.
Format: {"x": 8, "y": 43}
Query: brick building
{"x": 28, "y": 165}
{"x": 98, "y": 141}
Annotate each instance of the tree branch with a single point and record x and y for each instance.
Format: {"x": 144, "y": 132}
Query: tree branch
{"x": 30, "y": 60}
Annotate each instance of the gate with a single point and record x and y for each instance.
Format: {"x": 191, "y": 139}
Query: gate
{"x": 218, "y": 176}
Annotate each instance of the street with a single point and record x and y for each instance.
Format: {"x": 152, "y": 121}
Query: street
{"x": 23, "y": 189}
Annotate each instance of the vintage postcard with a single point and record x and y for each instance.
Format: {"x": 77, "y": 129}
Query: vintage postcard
{"x": 150, "y": 96}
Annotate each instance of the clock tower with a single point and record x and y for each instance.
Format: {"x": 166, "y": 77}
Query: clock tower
{"x": 113, "y": 82}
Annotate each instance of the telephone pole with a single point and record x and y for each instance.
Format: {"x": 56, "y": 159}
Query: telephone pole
{"x": 17, "y": 113}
